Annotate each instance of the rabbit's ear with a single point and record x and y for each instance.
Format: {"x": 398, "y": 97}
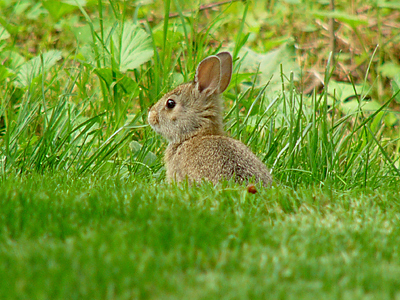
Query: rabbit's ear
{"x": 226, "y": 70}
{"x": 208, "y": 75}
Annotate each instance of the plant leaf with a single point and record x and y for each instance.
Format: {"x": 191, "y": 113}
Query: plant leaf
{"x": 132, "y": 46}
{"x": 349, "y": 19}
{"x": 4, "y": 73}
{"x": 387, "y": 4}
{"x": 269, "y": 65}
{"x": 340, "y": 91}
{"x": 32, "y": 68}
{"x": 12, "y": 60}
{"x": 389, "y": 69}
{"x": 110, "y": 77}
{"x": 149, "y": 159}
{"x": 3, "y": 33}
{"x": 58, "y": 9}
{"x": 396, "y": 87}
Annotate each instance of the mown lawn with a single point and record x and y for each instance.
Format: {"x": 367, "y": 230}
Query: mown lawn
{"x": 86, "y": 238}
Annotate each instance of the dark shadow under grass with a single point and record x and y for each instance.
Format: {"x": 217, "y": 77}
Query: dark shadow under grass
{"x": 85, "y": 238}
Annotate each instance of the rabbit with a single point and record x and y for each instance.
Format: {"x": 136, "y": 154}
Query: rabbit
{"x": 190, "y": 118}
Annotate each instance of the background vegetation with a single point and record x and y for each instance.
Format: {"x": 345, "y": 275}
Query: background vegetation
{"x": 85, "y": 211}
{"x": 78, "y": 78}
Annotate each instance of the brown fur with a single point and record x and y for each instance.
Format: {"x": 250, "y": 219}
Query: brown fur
{"x": 198, "y": 148}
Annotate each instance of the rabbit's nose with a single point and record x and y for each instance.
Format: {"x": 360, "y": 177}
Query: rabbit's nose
{"x": 152, "y": 117}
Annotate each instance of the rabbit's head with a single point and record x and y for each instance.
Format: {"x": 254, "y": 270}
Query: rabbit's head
{"x": 194, "y": 108}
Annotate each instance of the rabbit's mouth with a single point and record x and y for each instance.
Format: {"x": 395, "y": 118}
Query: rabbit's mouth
{"x": 156, "y": 128}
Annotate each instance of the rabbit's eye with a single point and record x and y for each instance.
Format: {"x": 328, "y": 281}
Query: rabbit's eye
{"x": 171, "y": 103}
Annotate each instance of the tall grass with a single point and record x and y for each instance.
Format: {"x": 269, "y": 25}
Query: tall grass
{"x": 87, "y": 114}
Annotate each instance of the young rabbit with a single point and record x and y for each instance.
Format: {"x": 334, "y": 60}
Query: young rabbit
{"x": 190, "y": 118}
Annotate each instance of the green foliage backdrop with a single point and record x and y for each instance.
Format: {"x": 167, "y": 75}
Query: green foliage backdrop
{"x": 77, "y": 78}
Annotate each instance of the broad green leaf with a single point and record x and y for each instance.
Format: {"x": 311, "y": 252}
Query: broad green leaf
{"x": 240, "y": 78}
{"x": 390, "y": 69}
{"x": 3, "y": 33}
{"x": 149, "y": 159}
{"x": 353, "y": 106}
{"x": 348, "y": 100}
{"x": 389, "y": 4}
{"x": 175, "y": 79}
{"x": 58, "y": 9}
{"x": 396, "y": 87}
{"x": 132, "y": 47}
{"x": 390, "y": 119}
{"x": 36, "y": 12}
{"x": 75, "y": 2}
{"x": 21, "y": 6}
{"x": 174, "y": 35}
{"x": 11, "y": 27}
{"x": 82, "y": 33}
{"x": 269, "y": 65}
{"x": 12, "y": 60}
{"x": 32, "y": 68}
{"x": 127, "y": 47}
{"x": 110, "y": 77}
{"x": 351, "y": 20}
{"x": 292, "y": 1}
{"x": 5, "y": 73}
{"x": 87, "y": 56}
{"x": 341, "y": 91}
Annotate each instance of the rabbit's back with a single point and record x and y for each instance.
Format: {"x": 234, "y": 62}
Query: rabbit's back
{"x": 213, "y": 158}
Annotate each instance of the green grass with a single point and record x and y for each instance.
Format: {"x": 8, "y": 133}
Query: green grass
{"x": 86, "y": 238}
{"x": 85, "y": 212}
{"x": 87, "y": 113}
